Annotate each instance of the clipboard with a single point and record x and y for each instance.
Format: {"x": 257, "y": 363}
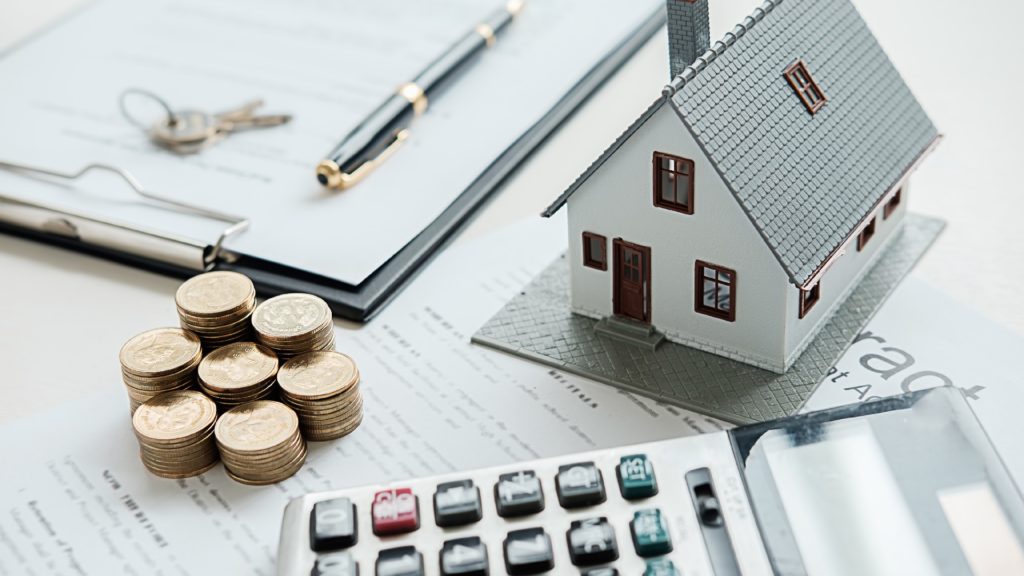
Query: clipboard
{"x": 181, "y": 257}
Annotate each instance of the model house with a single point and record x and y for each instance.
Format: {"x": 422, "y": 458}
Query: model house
{"x": 744, "y": 205}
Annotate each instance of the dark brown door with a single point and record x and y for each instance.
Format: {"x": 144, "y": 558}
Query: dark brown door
{"x": 632, "y": 291}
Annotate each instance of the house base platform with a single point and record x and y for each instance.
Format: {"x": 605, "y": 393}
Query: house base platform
{"x": 539, "y": 326}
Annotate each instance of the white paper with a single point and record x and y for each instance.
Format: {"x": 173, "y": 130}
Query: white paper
{"x": 329, "y": 63}
{"x": 74, "y": 498}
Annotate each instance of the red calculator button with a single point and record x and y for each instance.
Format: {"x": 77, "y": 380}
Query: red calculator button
{"x": 395, "y": 511}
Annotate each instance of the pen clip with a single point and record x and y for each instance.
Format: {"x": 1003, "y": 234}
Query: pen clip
{"x": 335, "y": 178}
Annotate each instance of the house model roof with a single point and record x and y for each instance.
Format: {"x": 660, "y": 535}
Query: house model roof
{"x": 806, "y": 181}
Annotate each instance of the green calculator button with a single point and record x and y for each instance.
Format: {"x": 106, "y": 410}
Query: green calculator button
{"x": 650, "y": 534}
{"x": 636, "y": 477}
{"x": 661, "y": 567}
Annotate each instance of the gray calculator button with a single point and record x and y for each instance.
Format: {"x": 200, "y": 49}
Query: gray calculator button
{"x": 528, "y": 552}
{"x": 579, "y": 484}
{"x": 332, "y": 525}
{"x": 335, "y": 564}
{"x": 457, "y": 503}
{"x": 402, "y": 561}
{"x": 592, "y": 541}
{"x": 518, "y": 494}
{"x": 464, "y": 557}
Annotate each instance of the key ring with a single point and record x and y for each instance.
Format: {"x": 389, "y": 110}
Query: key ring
{"x": 171, "y": 120}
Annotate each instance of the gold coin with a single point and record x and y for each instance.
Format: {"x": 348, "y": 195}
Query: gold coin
{"x": 318, "y": 374}
{"x": 237, "y": 366}
{"x": 174, "y": 415}
{"x": 256, "y": 426}
{"x": 290, "y": 315}
{"x": 214, "y": 293}
{"x": 160, "y": 351}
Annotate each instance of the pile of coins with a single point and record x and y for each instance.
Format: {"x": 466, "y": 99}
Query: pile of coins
{"x": 175, "y": 433}
{"x": 323, "y": 389}
{"x": 238, "y": 373}
{"x": 216, "y": 306}
{"x": 291, "y": 324}
{"x": 260, "y": 442}
{"x": 159, "y": 361}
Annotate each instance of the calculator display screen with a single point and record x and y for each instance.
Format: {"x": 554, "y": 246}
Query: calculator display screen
{"x": 907, "y": 486}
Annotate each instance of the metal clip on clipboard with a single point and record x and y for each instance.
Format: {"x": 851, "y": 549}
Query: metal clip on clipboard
{"x": 155, "y": 245}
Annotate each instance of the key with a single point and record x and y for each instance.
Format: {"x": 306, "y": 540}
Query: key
{"x": 189, "y": 131}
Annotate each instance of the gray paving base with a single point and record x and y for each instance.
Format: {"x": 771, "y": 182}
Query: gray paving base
{"x": 538, "y": 325}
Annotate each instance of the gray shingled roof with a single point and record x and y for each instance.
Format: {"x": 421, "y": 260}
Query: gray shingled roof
{"x": 806, "y": 182}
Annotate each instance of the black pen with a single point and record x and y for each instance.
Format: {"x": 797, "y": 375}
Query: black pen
{"x": 377, "y": 136}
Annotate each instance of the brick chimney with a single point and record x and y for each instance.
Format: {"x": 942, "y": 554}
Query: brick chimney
{"x": 689, "y": 33}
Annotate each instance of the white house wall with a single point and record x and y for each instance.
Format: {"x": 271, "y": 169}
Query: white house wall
{"x": 839, "y": 281}
{"x": 617, "y": 202}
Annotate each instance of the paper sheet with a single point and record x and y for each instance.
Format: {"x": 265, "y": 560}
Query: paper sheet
{"x": 74, "y": 498}
{"x": 328, "y": 63}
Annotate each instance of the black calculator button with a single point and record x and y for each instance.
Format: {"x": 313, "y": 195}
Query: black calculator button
{"x": 332, "y": 525}
{"x": 601, "y": 572}
{"x": 528, "y": 552}
{"x": 457, "y": 503}
{"x": 636, "y": 477}
{"x": 464, "y": 557}
{"x": 518, "y": 494}
{"x": 592, "y": 541}
{"x": 335, "y": 564}
{"x": 579, "y": 485}
{"x": 402, "y": 561}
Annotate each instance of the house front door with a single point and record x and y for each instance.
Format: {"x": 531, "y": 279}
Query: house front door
{"x": 632, "y": 277}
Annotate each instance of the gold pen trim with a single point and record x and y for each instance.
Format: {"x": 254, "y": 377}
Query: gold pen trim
{"x": 514, "y": 7}
{"x": 487, "y": 33}
{"x": 335, "y": 178}
{"x": 415, "y": 95}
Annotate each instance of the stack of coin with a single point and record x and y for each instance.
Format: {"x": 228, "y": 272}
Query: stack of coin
{"x": 159, "y": 361}
{"x": 291, "y": 324}
{"x": 175, "y": 433}
{"x": 217, "y": 306}
{"x": 260, "y": 442}
{"x": 323, "y": 389}
{"x": 238, "y": 373}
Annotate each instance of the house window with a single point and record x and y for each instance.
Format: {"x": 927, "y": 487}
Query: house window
{"x": 865, "y": 235}
{"x": 595, "y": 251}
{"x": 808, "y": 298}
{"x": 673, "y": 183}
{"x": 715, "y": 291}
{"x": 893, "y": 203}
{"x": 806, "y": 88}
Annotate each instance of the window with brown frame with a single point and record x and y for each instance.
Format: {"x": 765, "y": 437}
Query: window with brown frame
{"x": 892, "y": 204}
{"x": 805, "y": 86}
{"x": 865, "y": 235}
{"x": 808, "y": 298}
{"x": 595, "y": 251}
{"x": 715, "y": 291}
{"x": 673, "y": 182}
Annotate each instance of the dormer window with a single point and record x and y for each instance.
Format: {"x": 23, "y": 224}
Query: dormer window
{"x": 673, "y": 183}
{"x": 805, "y": 86}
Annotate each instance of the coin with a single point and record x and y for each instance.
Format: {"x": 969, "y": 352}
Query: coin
{"x": 291, "y": 324}
{"x": 159, "y": 352}
{"x": 322, "y": 388}
{"x": 175, "y": 431}
{"x": 260, "y": 442}
{"x": 217, "y": 307}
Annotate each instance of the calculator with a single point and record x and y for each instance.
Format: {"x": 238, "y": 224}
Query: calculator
{"x": 897, "y": 486}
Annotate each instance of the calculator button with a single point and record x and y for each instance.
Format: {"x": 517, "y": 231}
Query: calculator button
{"x": 332, "y": 525}
{"x": 464, "y": 557}
{"x": 601, "y": 572}
{"x": 636, "y": 477}
{"x": 518, "y": 494}
{"x": 402, "y": 561}
{"x": 579, "y": 485}
{"x": 661, "y": 567}
{"x": 457, "y": 503}
{"x": 335, "y": 564}
{"x": 528, "y": 552}
{"x": 592, "y": 541}
{"x": 650, "y": 533}
{"x": 395, "y": 511}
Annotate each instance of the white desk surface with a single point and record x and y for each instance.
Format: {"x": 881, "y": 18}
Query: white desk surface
{"x": 64, "y": 316}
